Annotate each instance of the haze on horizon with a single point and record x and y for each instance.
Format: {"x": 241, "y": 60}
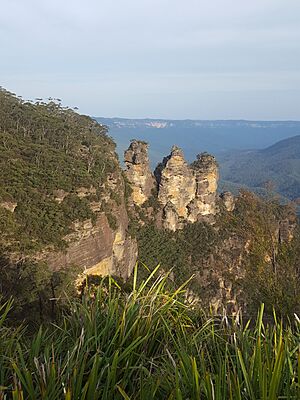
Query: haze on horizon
{"x": 223, "y": 59}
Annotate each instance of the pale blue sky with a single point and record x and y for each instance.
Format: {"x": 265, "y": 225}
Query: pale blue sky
{"x": 202, "y": 59}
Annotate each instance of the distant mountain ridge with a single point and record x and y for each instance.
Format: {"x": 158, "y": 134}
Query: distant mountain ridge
{"x": 196, "y": 136}
{"x": 273, "y": 156}
{"x": 279, "y": 164}
{"x": 164, "y": 123}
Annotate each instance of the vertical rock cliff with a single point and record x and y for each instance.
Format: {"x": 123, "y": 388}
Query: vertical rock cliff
{"x": 220, "y": 248}
{"x": 187, "y": 193}
{"x": 138, "y": 171}
{"x": 176, "y": 188}
{"x": 102, "y": 247}
{"x": 206, "y": 173}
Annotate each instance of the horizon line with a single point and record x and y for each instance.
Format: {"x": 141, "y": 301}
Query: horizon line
{"x": 201, "y": 120}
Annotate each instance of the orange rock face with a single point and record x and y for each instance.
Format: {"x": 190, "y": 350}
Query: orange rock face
{"x": 138, "y": 171}
{"x": 187, "y": 193}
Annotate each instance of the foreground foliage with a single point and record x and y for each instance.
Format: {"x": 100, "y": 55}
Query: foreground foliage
{"x": 148, "y": 344}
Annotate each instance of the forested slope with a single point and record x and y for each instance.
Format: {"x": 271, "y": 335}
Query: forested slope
{"x": 279, "y": 164}
{"x": 62, "y": 201}
{"x": 45, "y": 148}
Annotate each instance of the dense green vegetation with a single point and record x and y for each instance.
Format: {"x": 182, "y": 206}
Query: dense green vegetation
{"x": 34, "y": 288}
{"x": 53, "y": 164}
{"x": 184, "y": 250}
{"x": 147, "y": 344}
{"x": 144, "y": 338}
{"x": 267, "y": 272}
{"x": 47, "y": 151}
{"x": 271, "y": 263}
{"x": 279, "y": 164}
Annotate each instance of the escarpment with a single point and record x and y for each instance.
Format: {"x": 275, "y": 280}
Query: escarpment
{"x": 103, "y": 246}
{"x": 62, "y": 191}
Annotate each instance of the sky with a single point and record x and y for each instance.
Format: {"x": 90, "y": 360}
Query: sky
{"x": 173, "y": 59}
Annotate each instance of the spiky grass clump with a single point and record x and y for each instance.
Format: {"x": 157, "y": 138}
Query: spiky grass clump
{"x": 147, "y": 345}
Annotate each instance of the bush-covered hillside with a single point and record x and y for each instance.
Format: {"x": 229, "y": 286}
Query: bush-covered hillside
{"x": 279, "y": 164}
{"x": 47, "y": 151}
{"x": 243, "y": 248}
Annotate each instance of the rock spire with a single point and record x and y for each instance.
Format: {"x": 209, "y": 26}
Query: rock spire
{"x": 138, "y": 171}
{"x": 176, "y": 188}
{"x": 185, "y": 193}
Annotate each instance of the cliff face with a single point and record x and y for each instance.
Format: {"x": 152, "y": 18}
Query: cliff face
{"x": 99, "y": 248}
{"x": 185, "y": 193}
{"x": 176, "y": 188}
{"x": 206, "y": 173}
{"x": 61, "y": 187}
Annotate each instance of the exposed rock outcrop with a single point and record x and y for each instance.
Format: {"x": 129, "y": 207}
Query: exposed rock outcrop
{"x": 228, "y": 200}
{"x": 9, "y": 205}
{"x": 170, "y": 218}
{"x": 176, "y": 188}
{"x": 98, "y": 248}
{"x": 138, "y": 171}
{"x": 206, "y": 173}
{"x": 59, "y": 195}
{"x": 187, "y": 193}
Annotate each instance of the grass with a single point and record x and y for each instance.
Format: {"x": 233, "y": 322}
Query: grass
{"x": 148, "y": 344}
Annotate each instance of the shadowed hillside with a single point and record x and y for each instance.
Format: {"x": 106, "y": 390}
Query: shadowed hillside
{"x": 279, "y": 164}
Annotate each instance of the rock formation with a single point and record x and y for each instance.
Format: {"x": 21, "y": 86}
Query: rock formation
{"x": 206, "y": 173}
{"x": 138, "y": 171}
{"x": 9, "y": 205}
{"x": 98, "y": 248}
{"x": 187, "y": 193}
{"x": 228, "y": 200}
{"x": 176, "y": 188}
